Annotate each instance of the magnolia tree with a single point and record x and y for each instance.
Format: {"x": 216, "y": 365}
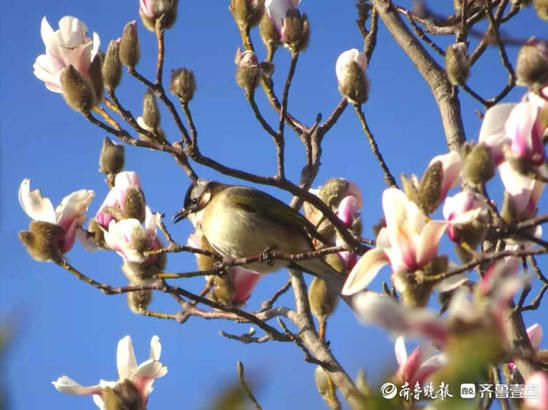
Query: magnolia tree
{"x": 472, "y": 334}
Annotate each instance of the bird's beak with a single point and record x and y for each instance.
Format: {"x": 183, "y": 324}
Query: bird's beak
{"x": 182, "y": 214}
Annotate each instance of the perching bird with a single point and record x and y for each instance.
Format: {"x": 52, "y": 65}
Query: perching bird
{"x": 241, "y": 221}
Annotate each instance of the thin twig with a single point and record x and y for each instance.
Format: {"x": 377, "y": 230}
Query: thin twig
{"x": 267, "y": 304}
{"x": 245, "y": 387}
{"x": 388, "y": 178}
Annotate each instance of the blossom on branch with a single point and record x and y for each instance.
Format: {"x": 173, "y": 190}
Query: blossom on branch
{"x": 408, "y": 242}
{"x": 419, "y": 364}
{"x": 67, "y": 46}
{"x": 134, "y": 381}
{"x": 350, "y": 70}
{"x": 53, "y": 231}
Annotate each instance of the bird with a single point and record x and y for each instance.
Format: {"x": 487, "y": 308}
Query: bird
{"x": 240, "y": 221}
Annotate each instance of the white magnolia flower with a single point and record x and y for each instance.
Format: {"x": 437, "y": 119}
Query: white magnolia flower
{"x": 141, "y": 376}
{"x": 67, "y": 46}
{"x": 70, "y": 214}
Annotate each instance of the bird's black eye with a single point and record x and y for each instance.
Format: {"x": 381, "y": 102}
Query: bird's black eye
{"x": 193, "y": 201}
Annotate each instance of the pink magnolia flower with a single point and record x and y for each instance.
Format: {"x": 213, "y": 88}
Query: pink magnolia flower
{"x": 419, "y": 364}
{"x": 276, "y": 10}
{"x": 130, "y": 239}
{"x": 142, "y": 376}
{"x": 462, "y": 209}
{"x": 70, "y": 214}
{"x": 451, "y": 167}
{"x": 525, "y": 132}
{"x": 493, "y": 133}
{"x": 67, "y": 46}
{"x": 348, "y": 209}
{"x": 523, "y": 192}
{"x": 115, "y": 199}
{"x": 408, "y": 242}
{"x": 536, "y": 391}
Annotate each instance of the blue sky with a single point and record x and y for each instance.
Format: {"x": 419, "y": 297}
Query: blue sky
{"x": 62, "y": 326}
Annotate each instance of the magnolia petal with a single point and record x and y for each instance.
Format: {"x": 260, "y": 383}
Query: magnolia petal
{"x": 520, "y": 129}
{"x": 86, "y": 240}
{"x": 125, "y": 359}
{"x": 119, "y": 238}
{"x": 34, "y": 204}
{"x": 535, "y": 335}
{"x": 73, "y": 206}
{"x": 155, "y": 348}
{"x": 494, "y": 121}
{"x": 150, "y": 369}
{"x": 365, "y": 271}
{"x": 45, "y": 30}
{"x": 429, "y": 240}
{"x": 537, "y": 382}
{"x": 400, "y": 350}
{"x": 430, "y": 366}
{"x": 244, "y": 282}
{"x": 151, "y": 220}
{"x": 381, "y": 310}
{"x": 98, "y": 400}
{"x": 65, "y": 384}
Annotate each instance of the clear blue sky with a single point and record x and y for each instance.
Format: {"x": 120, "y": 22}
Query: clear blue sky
{"x": 62, "y": 326}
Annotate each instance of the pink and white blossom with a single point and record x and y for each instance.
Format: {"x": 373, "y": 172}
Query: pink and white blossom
{"x": 141, "y": 376}
{"x": 276, "y": 10}
{"x": 523, "y": 192}
{"x": 493, "y": 132}
{"x": 408, "y": 242}
{"x": 419, "y": 364}
{"x": 70, "y": 214}
{"x": 525, "y": 132}
{"x": 115, "y": 199}
{"x": 348, "y": 209}
{"x": 462, "y": 209}
{"x": 130, "y": 239}
{"x": 69, "y": 45}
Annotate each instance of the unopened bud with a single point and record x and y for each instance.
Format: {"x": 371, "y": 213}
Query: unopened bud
{"x": 42, "y": 241}
{"x": 246, "y": 13}
{"x": 350, "y": 70}
{"x": 457, "y": 64}
{"x": 541, "y": 7}
{"x": 123, "y": 396}
{"x": 436, "y": 266}
{"x": 323, "y": 300}
{"x": 129, "y": 51}
{"x": 139, "y": 300}
{"x": 77, "y": 91}
{"x": 333, "y": 191}
{"x": 152, "y": 10}
{"x": 295, "y": 30}
{"x": 112, "y": 67}
{"x": 321, "y": 379}
{"x": 357, "y": 226}
{"x": 151, "y": 112}
{"x": 111, "y": 159}
{"x": 182, "y": 84}
{"x": 248, "y": 72}
{"x": 478, "y": 165}
{"x": 414, "y": 291}
{"x": 134, "y": 205}
{"x": 335, "y": 262}
{"x": 430, "y": 187}
{"x": 532, "y": 64}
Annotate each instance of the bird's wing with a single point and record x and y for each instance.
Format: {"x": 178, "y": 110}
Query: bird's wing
{"x": 252, "y": 200}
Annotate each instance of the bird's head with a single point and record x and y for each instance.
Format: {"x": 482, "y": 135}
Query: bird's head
{"x": 197, "y": 197}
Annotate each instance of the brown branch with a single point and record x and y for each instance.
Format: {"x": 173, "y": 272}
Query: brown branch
{"x": 432, "y": 73}
{"x": 245, "y": 387}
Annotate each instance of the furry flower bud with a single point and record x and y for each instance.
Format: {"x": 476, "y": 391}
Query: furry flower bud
{"x": 532, "y": 64}
{"x": 151, "y": 112}
{"x": 478, "y": 165}
{"x": 246, "y": 13}
{"x": 182, "y": 84}
{"x": 350, "y": 70}
{"x": 123, "y": 396}
{"x": 129, "y": 45}
{"x": 111, "y": 159}
{"x": 248, "y": 72}
{"x": 112, "y": 67}
{"x": 295, "y": 30}
{"x": 42, "y": 241}
{"x": 323, "y": 299}
{"x": 138, "y": 301}
{"x": 77, "y": 91}
{"x": 152, "y": 10}
{"x": 457, "y": 64}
